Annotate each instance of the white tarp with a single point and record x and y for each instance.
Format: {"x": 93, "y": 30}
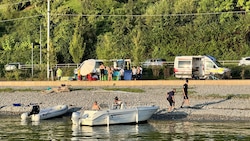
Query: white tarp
{"x": 88, "y": 67}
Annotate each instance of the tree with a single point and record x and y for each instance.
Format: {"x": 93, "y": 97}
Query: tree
{"x": 105, "y": 46}
{"x": 138, "y": 49}
{"x": 77, "y": 45}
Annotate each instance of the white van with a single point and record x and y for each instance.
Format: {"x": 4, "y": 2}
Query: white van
{"x": 199, "y": 67}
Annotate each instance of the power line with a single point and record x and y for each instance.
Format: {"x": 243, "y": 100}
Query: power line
{"x": 20, "y": 18}
{"x": 155, "y": 15}
{"x": 158, "y": 15}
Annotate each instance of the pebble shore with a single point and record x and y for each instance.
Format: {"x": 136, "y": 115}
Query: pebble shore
{"x": 207, "y": 102}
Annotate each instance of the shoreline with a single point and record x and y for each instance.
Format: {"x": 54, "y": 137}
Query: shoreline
{"x": 203, "y": 106}
{"x": 126, "y": 83}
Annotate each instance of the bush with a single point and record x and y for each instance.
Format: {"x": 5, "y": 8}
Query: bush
{"x": 239, "y": 72}
{"x": 13, "y": 75}
{"x": 245, "y": 72}
{"x": 157, "y": 72}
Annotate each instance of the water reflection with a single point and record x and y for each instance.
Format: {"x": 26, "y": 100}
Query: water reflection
{"x": 110, "y": 132}
{"x": 62, "y": 129}
{"x": 25, "y": 122}
{"x": 201, "y": 130}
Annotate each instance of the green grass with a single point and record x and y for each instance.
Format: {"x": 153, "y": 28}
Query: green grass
{"x": 78, "y": 89}
{"x": 190, "y": 91}
{"x": 228, "y": 96}
{"x": 20, "y": 90}
{"x": 35, "y": 90}
{"x": 134, "y": 90}
{"x": 241, "y": 96}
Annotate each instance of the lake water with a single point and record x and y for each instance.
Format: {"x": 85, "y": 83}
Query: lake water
{"x": 11, "y": 128}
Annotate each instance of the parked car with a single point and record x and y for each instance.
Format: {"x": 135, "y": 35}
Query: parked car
{"x": 12, "y": 66}
{"x": 244, "y": 61}
{"x": 154, "y": 62}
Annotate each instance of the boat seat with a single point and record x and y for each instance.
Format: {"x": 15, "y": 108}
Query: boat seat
{"x": 58, "y": 107}
{"x": 119, "y": 106}
{"x": 123, "y": 106}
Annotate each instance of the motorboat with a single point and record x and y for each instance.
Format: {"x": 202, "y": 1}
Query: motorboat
{"x": 114, "y": 116}
{"x": 36, "y": 114}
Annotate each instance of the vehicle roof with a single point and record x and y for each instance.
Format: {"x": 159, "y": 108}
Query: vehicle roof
{"x": 156, "y": 59}
{"x": 15, "y": 63}
{"x": 245, "y": 57}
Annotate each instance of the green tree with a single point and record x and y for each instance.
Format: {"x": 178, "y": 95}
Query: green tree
{"x": 105, "y": 46}
{"x": 77, "y": 45}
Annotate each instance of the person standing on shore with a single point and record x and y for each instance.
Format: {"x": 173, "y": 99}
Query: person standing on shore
{"x": 134, "y": 73}
{"x": 59, "y": 74}
{"x": 171, "y": 100}
{"x": 102, "y": 69}
{"x": 185, "y": 94}
{"x": 79, "y": 76}
{"x": 110, "y": 73}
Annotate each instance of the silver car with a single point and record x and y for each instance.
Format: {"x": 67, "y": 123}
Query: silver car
{"x": 12, "y": 66}
{"x": 154, "y": 62}
{"x": 244, "y": 61}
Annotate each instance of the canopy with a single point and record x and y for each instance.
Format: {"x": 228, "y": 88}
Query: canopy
{"x": 88, "y": 67}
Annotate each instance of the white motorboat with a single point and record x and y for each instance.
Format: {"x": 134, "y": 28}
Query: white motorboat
{"x": 36, "y": 114}
{"x": 114, "y": 116}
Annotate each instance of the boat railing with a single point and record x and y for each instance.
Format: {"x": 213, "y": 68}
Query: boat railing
{"x": 104, "y": 106}
{"x": 126, "y": 105}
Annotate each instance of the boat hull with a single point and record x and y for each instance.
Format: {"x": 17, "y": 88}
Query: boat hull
{"x": 50, "y": 112}
{"x": 118, "y": 116}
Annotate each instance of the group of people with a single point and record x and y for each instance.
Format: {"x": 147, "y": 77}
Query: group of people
{"x": 171, "y": 98}
{"x": 113, "y": 72}
{"x": 105, "y": 70}
{"x": 136, "y": 72}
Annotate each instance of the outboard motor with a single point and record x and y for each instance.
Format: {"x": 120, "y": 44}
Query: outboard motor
{"x": 35, "y": 110}
{"x": 24, "y": 116}
{"x": 75, "y": 118}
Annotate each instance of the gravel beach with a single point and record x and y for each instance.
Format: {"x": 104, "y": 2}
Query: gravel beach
{"x": 207, "y": 102}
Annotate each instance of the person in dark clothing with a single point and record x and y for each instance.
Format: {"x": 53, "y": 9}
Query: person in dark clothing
{"x": 185, "y": 94}
{"x": 171, "y": 100}
{"x": 102, "y": 69}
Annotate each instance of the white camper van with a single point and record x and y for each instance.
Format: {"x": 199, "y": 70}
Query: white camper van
{"x": 199, "y": 67}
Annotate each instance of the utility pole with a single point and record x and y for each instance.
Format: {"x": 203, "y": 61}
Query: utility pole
{"x": 32, "y": 60}
{"x": 48, "y": 36}
{"x": 40, "y": 42}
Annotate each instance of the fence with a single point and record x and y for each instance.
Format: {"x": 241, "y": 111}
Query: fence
{"x": 229, "y": 62}
{"x": 69, "y": 65}
{"x": 72, "y": 65}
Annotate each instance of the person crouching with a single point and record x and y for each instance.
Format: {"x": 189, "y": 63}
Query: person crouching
{"x": 171, "y": 100}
